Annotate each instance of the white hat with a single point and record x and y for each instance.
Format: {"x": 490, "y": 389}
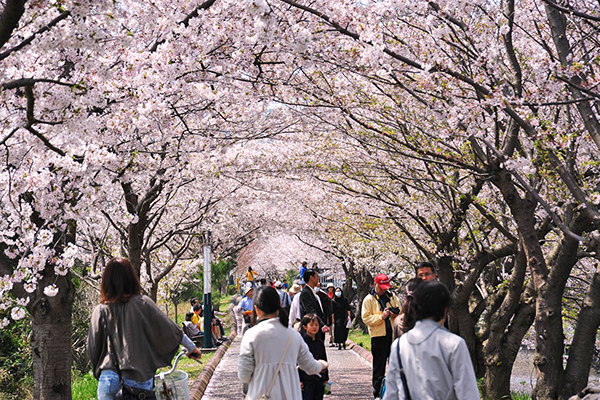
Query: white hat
{"x": 330, "y": 285}
{"x": 248, "y": 288}
{"x": 278, "y": 284}
{"x": 295, "y": 288}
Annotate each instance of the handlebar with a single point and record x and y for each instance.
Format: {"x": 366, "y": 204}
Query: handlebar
{"x": 163, "y": 374}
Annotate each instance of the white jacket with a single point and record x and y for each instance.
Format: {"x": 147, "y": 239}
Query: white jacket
{"x": 260, "y": 352}
{"x": 436, "y": 363}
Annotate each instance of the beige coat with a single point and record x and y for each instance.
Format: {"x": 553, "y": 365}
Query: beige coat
{"x": 371, "y": 314}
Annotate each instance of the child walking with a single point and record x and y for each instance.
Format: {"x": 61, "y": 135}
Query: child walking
{"x": 313, "y": 386}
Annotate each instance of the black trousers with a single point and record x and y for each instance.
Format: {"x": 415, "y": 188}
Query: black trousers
{"x": 380, "y": 348}
{"x": 313, "y": 390}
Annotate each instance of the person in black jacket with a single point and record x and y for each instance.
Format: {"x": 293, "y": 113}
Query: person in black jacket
{"x": 313, "y": 386}
{"x": 341, "y": 315}
{"x": 310, "y": 302}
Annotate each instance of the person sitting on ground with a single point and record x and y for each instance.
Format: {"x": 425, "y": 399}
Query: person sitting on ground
{"x": 193, "y": 302}
{"x": 436, "y": 362}
{"x": 191, "y": 329}
{"x": 198, "y": 314}
{"x": 313, "y": 386}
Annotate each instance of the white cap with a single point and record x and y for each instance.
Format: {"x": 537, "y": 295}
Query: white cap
{"x": 278, "y": 284}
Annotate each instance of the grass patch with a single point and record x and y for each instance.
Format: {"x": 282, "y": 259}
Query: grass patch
{"x": 520, "y": 396}
{"x": 84, "y": 387}
{"x": 360, "y": 338}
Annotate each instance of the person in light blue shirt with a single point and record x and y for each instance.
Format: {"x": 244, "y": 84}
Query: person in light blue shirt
{"x": 436, "y": 362}
{"x": 246, "y": 307}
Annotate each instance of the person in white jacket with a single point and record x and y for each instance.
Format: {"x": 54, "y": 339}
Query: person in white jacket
{"x": 263, "y": 346}
{"x": 435, "y": 361}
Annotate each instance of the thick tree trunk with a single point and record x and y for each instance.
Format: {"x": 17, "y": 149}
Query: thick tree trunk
{"x": 51, "y": 340}
{"x": 582, "y": 348}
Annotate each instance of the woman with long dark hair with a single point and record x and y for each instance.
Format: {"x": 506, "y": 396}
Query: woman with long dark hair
{"x": 408, "y": 316}
{"x": 129, "y": 336}
{"x": 341, "y": 315}
{"x": 270, "y": 352}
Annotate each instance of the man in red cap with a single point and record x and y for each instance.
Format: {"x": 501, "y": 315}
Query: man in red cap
{"x": 379, "y": 310}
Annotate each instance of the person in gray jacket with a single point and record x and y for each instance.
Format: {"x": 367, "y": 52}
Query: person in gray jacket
{"x": 436, "y": 362}
{"x": 144, "y": 337}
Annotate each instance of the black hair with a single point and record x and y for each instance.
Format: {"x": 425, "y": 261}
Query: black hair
{"x": 431, "y": 300}
{"x": 193, "y": 301}
{"x": 409, "y": 316}
{"x": 308, "y": 318}
{"x": 267, "y": 300}
{"x": 424, "y": 264}
{"x": 249, "y": 269}
{"x": 188, "y": 316}
{"x": 197, "y": 307}
{"x": 307, "y": 274}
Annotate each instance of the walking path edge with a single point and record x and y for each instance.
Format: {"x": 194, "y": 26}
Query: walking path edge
{"x": 201, "y": 383}
{"x": 361, "y": 351}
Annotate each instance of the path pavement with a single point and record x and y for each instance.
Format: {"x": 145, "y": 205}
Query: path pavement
{"x": 350, "y": 376}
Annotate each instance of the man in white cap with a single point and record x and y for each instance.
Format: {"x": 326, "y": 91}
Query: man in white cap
{"x": 246, "y": 307}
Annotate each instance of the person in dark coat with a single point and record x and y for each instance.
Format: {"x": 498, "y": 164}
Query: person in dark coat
{"x": 311, "y": 303}
{"x": 341, "y": 314}
{"x": 313, "y": 386}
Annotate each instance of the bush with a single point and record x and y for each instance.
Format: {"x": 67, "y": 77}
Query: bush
{"x": 84, "y": 386}
{"x": 16, "y": 363}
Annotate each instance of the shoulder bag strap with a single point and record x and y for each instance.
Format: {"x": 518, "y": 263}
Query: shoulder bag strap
{"x": 402, "y": 375}
{"x": 287, "y": 347}
{"x": 112, "y": 346}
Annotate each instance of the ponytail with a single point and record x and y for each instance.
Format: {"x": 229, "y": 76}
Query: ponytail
{"x": 283, "y": 317}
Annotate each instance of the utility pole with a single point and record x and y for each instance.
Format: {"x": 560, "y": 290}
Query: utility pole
{"x": 207, "y": 292}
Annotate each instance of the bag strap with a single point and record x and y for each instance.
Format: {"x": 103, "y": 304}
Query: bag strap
{"x": 287, "y": 347}
{"x": 402, "y": 375}
{"x": 112, "y": 346}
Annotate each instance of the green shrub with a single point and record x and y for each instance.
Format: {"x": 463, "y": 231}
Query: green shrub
{"x": 16, "y": 364}
{"x": 84, "y": 386}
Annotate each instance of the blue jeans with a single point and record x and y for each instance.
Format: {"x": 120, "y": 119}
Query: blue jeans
{"x": 108, "y": 384}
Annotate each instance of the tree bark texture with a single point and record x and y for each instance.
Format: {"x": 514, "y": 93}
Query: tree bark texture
{"x": 582, "y": 348}
{"x": 51, "y": 340}
{"x": 548, "y": 320}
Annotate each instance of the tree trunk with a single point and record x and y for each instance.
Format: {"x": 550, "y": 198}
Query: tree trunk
{"x": 548, "y": 320}
{"x": 51, "y": 339}
{"x": 582, "y": 348}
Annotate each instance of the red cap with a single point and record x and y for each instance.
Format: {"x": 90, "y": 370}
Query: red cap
{"x": 383, "y": 281}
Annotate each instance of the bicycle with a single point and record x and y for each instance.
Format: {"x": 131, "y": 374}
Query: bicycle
{"x": 173, "y": 384}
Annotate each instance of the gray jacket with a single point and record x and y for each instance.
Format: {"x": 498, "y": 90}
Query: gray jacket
{"x": 145, "y": 338}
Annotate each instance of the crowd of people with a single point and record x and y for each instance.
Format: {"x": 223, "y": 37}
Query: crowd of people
{"x": 283, "y": 351}
{"x": 414, "y": 354}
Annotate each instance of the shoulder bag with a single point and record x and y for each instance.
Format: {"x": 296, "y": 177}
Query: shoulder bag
{"x": 287, "y": 347}
{"x": 402, "y": 378}
{"x": 125, "y": 392}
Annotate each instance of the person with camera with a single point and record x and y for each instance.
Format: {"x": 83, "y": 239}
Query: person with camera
{"x": 379, "y": 310}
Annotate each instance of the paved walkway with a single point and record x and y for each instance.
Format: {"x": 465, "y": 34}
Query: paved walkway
{"x": 349, "y": 373}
